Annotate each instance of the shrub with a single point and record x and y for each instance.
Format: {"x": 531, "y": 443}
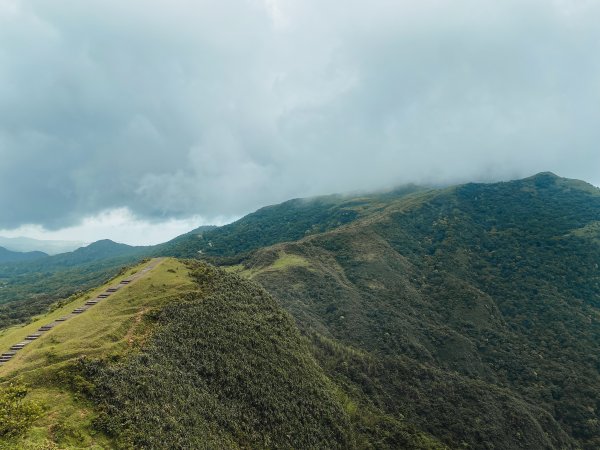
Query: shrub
{"x": 16, "y": 413}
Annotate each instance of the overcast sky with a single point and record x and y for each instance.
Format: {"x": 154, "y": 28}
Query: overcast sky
{"x": 138, "y": 120}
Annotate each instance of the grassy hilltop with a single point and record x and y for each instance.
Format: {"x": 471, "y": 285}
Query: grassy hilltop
{"x": 110, "y": 329}
{"x": 187, "y": 357}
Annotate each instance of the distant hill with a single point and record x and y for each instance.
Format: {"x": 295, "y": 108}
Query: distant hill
{"x": 51, "y": 247}
{"x": 99, "y": 250}
{"x": 10, "y": 256}
{"x": 104, "y": 250}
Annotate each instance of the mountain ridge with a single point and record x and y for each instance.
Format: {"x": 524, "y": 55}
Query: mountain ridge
{"x": 51, "y": 247}
{"x": 9, "y": 256}
{"x": 467, "y": 316}
{"x": 242, "y": 377}
{"x": 233, "y": 241}
{"x": 464, "y": 281}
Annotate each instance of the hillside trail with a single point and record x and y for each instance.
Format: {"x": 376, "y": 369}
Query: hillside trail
{"x": 45, "y": 329}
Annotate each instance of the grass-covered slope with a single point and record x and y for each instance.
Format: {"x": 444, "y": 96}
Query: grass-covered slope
{"x": 112, "y": 328}
{"x": 100, "y": 330}
{"x": 186, "y": 357}
{"x": 472, "y": 312}
{"x": 27, "y": 288}
{"x": 226, "y": 368}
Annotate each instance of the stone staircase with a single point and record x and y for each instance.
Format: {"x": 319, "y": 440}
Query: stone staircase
{"x": 14, "y": 349}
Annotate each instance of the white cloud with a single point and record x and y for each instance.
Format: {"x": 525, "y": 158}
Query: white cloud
{"x": 119, "y": 225}
{"x": 185, "y": 109}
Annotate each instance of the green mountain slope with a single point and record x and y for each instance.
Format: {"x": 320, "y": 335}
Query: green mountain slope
{"x": 188, "y": 356}
{"x": 288, "y": 221}
{"x": 473, "y": 311}
{"x": 28, "y": 288}
{"x": 468, "y": 316}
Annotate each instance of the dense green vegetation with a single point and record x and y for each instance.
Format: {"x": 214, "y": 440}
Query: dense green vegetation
{"x": 468, "y": 316}
{"x": 226, "y": 368}
{"x": 188, "y": 357}
{"x": 288, "y": 221}
{"x": 16, "y": 413}
{"x": 472, "y": 312}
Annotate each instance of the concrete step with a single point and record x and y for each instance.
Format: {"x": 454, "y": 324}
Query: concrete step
{"x": 4, "y": 357}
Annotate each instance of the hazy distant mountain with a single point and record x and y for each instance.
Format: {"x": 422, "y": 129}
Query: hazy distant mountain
{"x": 9, "y": 256}
{"x": 24, "y": 244}
{"x": 97, "y": 251}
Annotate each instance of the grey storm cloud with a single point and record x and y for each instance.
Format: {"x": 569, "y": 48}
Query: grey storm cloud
{"x": 216, "y": 107}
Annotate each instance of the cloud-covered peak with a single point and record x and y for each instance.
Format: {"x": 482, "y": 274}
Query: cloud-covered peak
{"x": 214, "y": 108}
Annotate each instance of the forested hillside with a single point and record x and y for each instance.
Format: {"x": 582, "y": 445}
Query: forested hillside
{"x": 473, "y": 311}
{"x": 188, "y": 356}
{"x": 467, "y": 317}
{"x": 288, "y": 221}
